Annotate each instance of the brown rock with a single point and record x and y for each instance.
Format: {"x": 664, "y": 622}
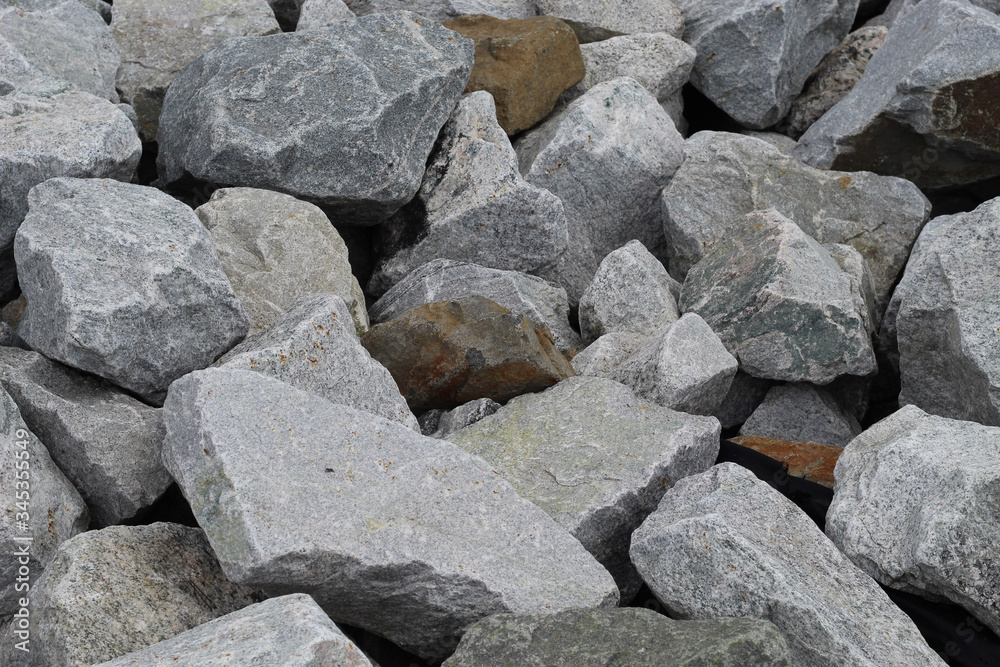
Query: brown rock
{"x": 808, "y": 460}
{"x": 447, "y": 353}
{"x": 526, "y": 64}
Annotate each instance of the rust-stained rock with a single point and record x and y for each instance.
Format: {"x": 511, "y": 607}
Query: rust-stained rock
{"x": 446, "y": 353}
{"x": 808, "y": 460}
{"x": 526, "y": 64}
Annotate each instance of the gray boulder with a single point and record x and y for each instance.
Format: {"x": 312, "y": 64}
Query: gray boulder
{"x": 727, "y": 176}
{"x": 473, "y": 206}
{"x": 596, "y": 21}
{"x": 802, "y": 413}
{"x": 315, "y": 347}
{"x": 596, "y": 458}
{"x": 605, "y": 354}
{"x": 276, "y": 250}
{"x": 760, "y": 556}
{"x": 745, "y": 393}
{"x": 317, "y": 14}
{"x": 266, "y": 112}
{"x": 442, "y": 423}
{"x": 897, "y": 8}
{"x": 915, "y": 507}
{"x": 100, "y": 6}
{"x": 781, "y": 304}
{"x": 446, "y": 10}
{"x": 142, "y": 298}
{"x": 106, "y": 442}
{"x": 754, "y": 56}
{"x": 382, "y": 536}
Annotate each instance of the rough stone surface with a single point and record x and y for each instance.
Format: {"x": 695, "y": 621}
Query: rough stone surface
{"x": 727, "y": 176}
{"x": 526, "y": 64}
{"x": 106, "y": 442}
{"x": 724, "y": 543}
{"x": 159, "y": 38}
{"x": 916, "y": 507}
{"x": 317, "y": 14}
{"x": 406, "y": 536}
{"x": 897, "y": 8}
{"x": 781, "y": 304}
{"x": 745, "y": 394}
{"x": 445, "y": 10}
{"x": 634, "y": 637}
{"x": 276, "y": 250}
{"x": 473, "y": 206}
{"x": 314, "y": 347}
{"x": 447, "y": 353}
{"x": 225, "y": 118}
{"x": 605, "y": 354}
{"x": 807, "y": 460}
{"x": 99, "y": 6}
{"x": 442, "y": 423}
{"x": 290, "y": 630}
{"x": 596, "y": 20}
{"x": 754, "y": 56}
{"x": 802, "y": 413}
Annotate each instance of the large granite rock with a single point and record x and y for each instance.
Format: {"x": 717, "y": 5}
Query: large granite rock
{"x": 596, "y": 21}
{"x": 925, "y": 108}
{"x": 605, "y": 354}
{"x": 444, "y": 10}
{"x": 142, "y": 298}
{"x": 159, "y": 38}
{"x": 724, "y": 543}
{"x": 915, "y": 506}
{"x": 345, "y": 117}
{"x": 897, "y": 8}
{"x": 781, "y": 303}
{"x": 596, "y": 458}
{"x": 802, "y": 413}
{"x": 106, "y": 442}
{"x": 406, "y": 536}
{"x": 318, "y": 14}
{"x": 727, "y": 176}
{"x": 276, "y": 250}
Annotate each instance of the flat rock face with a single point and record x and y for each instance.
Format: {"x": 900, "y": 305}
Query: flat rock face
{"x": 636, "y": 637}
{"x": 761, "y": 556}
{"x": 287, "y": 630}
{"x": 128, "y": 255}
{"x": 317, "y": 14}
{"x": 596, "y": 458}
{"x": 915, "y": 506}
{"x": 594, "y": 21}
{"x": 445, "y": 10}
{"x": 605, "y": 354}
{"x": 754, "y": 56}
{"x": 106, "y": 442}
{"x": 781, "y": 304}
{"x": 442, "y": 423}
{"x": 802, "y": 413}
{"x": 276, "y": 250}
{"x": 314, "y": 347}
{"x": 447, "y": 353}
{"x": 944, "y": 315}
{"x": 112, "y": 591}
{"x": 926, "y": 108}
{"x": 526, "y": 64}
{"x": 159, "y": 38}
{"x": 727, "y": 176}
{"x": 404, "y": 535}
{"x": 807, "y": 460}
{"x": 473, "y": 206}
{"x": 265, "y": 112}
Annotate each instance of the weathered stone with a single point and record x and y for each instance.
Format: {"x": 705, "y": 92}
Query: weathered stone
{"x": 727, "y": 176}
{"x": 745, "y": 394}
{"x": 782, "y": 142}
{"x": 897, "y": 8}
{"x": 159, "y": 38}
{"x": 802, "y": 413}
{"x": 316, "y": 14}
{"x": 275, "y": 250}
{"x": 112, "y": 591}
{"x": 862, "y": 282}
{"x": 596, "y": 21}
{"x": 99, "y": 6}
{"x": 106, "y": 442}
{"x": 634, "y": 637}
{"x": 445, "y": 10}
{"x": 403, "y": 535}
{"x": 442, "y": 423}
{"x": 314, "y": 347}
{"x": 473, "y": 206}
{"x": 605, "y": 354}
{"x": 9, "y": 337}
{"x": 526, "y": 64}
{"x": 724, "y": 543}
{"x": 287, "y": 630}
{"x": 806, "y": 460}
{"x": 266, "y": 112}
{"x": 926, "y": 108}
{"x": 141, "y": 298}
{"x": 596, "y": 458}
{"x": 781, "y": 304}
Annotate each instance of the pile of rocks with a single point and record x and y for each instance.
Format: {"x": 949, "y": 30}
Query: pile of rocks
{"x": 439, "y": 361}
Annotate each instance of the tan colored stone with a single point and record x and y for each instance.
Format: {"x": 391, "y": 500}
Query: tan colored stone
{"x": 808, "y": 460}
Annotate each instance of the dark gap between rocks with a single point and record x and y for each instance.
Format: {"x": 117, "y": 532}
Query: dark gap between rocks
{"x": 701, "y": 114}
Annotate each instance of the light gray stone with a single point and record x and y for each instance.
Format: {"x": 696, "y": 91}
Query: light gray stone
{"x": 754, "y": 56}
{"x": 142, "y": 298}
{"x": 291, "y": 631}
{"x": 314, "y": 347}
{"x": 897, "y": 8}
{"x": 727, "y": 176}
{"x": 596, "y": 20}
{"x": 915, "y": 506}
{"x": 442, "y": 423}
{"x": 745, "y": 393}
{"x": 595, "y": 457}
{"x": 99, "y": 6}
{"x": 862, "y": 282}
{"x": 674, "y": 106}
{"x": 605, "y": 354}
{"x": 783, "y": 143}
{"x": 781, "y": 304}
{"x": 446, "y": 10}
{"x": 316, "y": 14}
{"x": 802, "y": 413}
{"x": 276, "y": 250}
{"x": 404, "y": 535}
{"x": 344, "y": 117}
{"x": 724, "y": 543}
{"x": 106, "y": 442}
{"x": 473, "y": 206}
{"x": 159, "y": 38}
